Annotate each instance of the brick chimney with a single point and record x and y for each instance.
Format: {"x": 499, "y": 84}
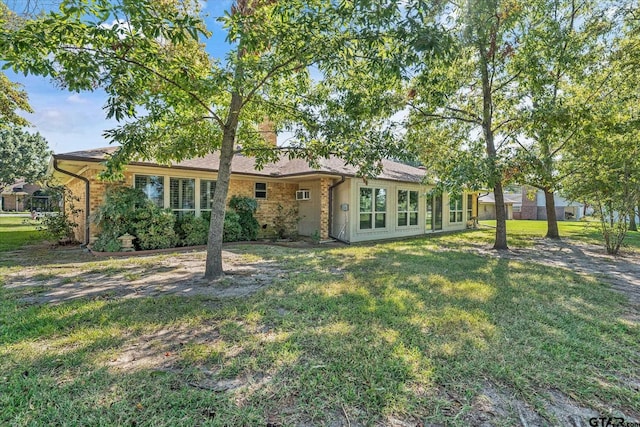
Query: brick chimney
{"x": 266, "y": 129}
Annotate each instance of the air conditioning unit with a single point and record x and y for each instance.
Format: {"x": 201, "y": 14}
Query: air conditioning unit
{"x": 303, "y": 195}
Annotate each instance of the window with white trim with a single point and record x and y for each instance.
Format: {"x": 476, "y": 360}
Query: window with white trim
{"x": 373, "y": 208}
{"x": 260, "y": 190}
{"x": 455, "y": 209}
{"x": 207, "y": 187}
{"x": 469, "y": 207}
{"x": 152, "y": 186}
{"x": 182, "y": 196}
{"x": 407, "y": 208}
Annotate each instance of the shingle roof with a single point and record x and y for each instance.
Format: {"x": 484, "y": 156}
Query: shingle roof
{"x": 508, "y": 198}
{"x": 284, "y": 167}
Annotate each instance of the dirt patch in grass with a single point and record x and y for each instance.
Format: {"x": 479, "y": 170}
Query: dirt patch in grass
{"x": 174, "y": 274}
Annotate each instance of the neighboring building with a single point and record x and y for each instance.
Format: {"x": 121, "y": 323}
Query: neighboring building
{"x": 330, "y": 201}
{"x": 534, "y": 206}
{"x": 18, "y": 196}
{"x": 487, "y": 205}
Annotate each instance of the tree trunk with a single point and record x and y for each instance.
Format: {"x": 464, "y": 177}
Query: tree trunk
{"x": 633, "y": 226}
{"x": 552, "y": 219}
{"x": 213, "y": 265}
{"x": 501, "y": 218}
{"x": 487, "y": 128}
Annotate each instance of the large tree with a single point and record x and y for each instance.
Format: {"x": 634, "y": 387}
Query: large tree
{"x": 174, "y": 101}
{"x": 460, "y": 102}
{"x": 563, "y": 44}
{"x": 23, "y": 155}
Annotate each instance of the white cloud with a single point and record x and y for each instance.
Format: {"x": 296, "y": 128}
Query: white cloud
{"x": 76, "y": 99}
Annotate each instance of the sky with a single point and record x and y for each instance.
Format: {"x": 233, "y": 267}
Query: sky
{"x": 72, "y": 121}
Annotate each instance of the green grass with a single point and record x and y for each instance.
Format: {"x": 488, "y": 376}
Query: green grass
{"x": 15, "y": 232}
{"x": 521, "y": 232}
{"x": 402, "y": 329}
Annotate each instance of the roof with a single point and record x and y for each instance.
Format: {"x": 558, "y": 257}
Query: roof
{"x": 508, "y": 198}
{"x": 244, "y": 165}
{"x": 15, "y": 188}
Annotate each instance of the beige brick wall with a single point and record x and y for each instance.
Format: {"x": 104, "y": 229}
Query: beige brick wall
{"x": 325, "y": 183}
{"x": 278, "y": 194}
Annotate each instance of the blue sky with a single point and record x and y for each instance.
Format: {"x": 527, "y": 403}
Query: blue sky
{"x": 72, "y": 121}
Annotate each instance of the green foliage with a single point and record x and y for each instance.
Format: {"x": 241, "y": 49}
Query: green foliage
{"x": 60, "y": 226}
{"x": 127, "y": 210}
{"x": 22, "y": 155}
{"x": 154, "y": 228}
{"x": 192, "y": 230}
{"x": 232, "y": 227}
{"x": 246, "y": 207}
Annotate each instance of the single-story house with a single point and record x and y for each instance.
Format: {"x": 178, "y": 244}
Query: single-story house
{"x": 330, "y": 201}
{"x": 534, "y": 206}
{"x": 487, "y": 205}
{"x": 17, "y": 196}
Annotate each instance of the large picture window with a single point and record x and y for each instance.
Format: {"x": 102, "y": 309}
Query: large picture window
{"x": 152, "y": 186}
{"x": 207, "y": 188}
{"x": 455, "y": 209}
{"x": 407, "y": 208}
{"x": 373, "y": 208}
{"x": 182, "y": 196}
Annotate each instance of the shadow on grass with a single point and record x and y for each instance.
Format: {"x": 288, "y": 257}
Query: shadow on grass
{"x": 377, "y": 331}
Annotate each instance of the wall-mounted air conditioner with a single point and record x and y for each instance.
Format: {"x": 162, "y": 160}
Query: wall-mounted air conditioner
{"x": 303, "y": 195}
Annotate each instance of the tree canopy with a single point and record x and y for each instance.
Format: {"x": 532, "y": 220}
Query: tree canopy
{"x": 23, "y": 155}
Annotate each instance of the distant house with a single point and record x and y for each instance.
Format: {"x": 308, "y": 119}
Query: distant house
{"x": 487, "y": 205}
{"x": 18, "y": 196}
{"x": 533, "y": 206}
{"x": 330, "y": 201}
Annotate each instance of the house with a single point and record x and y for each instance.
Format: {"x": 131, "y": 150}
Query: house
{"x": 329, "y": 201}
{"x": 487, "y": 205}
{"x": 18, "y": 196}
{"x": 533, "y": 206}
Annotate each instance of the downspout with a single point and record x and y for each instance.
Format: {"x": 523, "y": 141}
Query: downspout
{"x": 342, "y": 179}
{"x": 87, "y": 197}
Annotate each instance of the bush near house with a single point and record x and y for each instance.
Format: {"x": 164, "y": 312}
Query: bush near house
{"x": 127, "y": 210}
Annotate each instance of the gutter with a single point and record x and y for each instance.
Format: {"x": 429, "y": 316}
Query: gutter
{"x": 343, "y": 179}
{"x": 87, "y": 192}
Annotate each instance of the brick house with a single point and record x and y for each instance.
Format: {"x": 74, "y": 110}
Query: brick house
{"x": 16, "y": 197}
{"x": 533, "y": 206}
{"x": 330, "y": 201}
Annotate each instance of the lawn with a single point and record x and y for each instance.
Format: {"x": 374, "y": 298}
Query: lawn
{"x": 520, "y": 232}
{"x": 16, "y": 232}
{"x": 411, "y": 331}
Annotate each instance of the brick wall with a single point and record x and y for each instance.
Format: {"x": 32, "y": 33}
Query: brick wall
{"x": 278, "y": 194}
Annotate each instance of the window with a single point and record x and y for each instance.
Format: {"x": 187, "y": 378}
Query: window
{"x": 182, "y": 196}
{"x": 373, "y": 208}
{"x": 469, "y": 207}
{"x": 455, "y": 209}
{"x": 207, "y": 188}
{"x": 261, "y": 190}
{"x": 407, "y": 208}
{"x": 303, "y": 195}
{"x": 517, "y": 208}
{"x": 152, "y": 187}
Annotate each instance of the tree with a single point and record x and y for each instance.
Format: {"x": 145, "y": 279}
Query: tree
{"x": 12, "y": 96}
{"x": 175, "y": 102}
{"x": 460, "y": 103}
{"x": 22, "y": 156}
{"x": 605, "y": 159}
{"x": 563, "y": 43}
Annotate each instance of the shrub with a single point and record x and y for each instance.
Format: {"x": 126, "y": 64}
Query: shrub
{"x": 61, "y": 225}
{"x": 192, "y": 230}
{"x": 232, "y": 227}
{"x": 154, "y": 228}
{"x": 127, "y": 210}
{"x": 245, "y": 207}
